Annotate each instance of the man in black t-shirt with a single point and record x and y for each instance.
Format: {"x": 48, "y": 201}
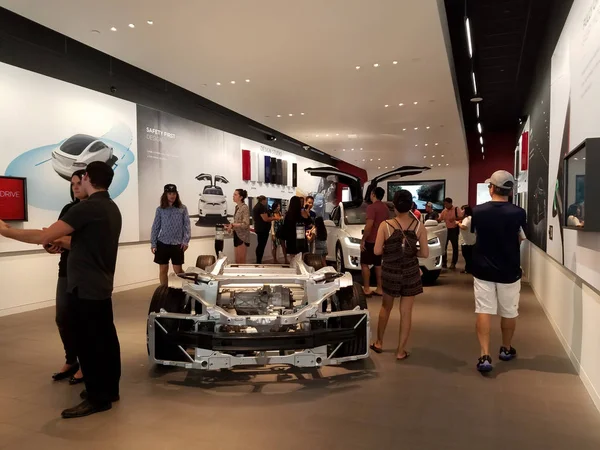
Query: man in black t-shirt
{"x": 262, "y": 226}
{"x": 497, "y": 265}
{"x": 94, "y": 227}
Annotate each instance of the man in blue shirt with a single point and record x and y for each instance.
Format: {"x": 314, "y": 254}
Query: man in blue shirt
{"x": 497, "y": 265}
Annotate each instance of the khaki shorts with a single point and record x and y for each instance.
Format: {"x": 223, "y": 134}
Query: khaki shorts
{"x": 497, "y": 298}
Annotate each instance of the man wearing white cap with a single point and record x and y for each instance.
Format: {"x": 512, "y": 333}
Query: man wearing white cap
{"x": 497, "y": 265}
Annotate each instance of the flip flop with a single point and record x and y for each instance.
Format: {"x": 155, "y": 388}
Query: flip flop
{"x": 406, "y": 355}
{"x": 376, "y": 349}
{"x": 370, "y": 294}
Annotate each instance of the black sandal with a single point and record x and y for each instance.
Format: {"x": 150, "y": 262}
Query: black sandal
{"x": 376, "y": 349}
{"x": 67, "y": 373}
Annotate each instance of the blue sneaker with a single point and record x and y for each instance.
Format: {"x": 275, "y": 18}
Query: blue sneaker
{"x": 484, "y": 364}
{"x": 507, "y": 354}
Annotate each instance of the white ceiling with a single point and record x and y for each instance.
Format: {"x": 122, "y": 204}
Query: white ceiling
{"x": 300, "y": 57}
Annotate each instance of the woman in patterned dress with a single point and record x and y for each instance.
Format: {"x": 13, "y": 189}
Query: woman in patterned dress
{"x": 401, "y": 241}
{"x": 240, "y": 226}
{"x": 275, "y": 226}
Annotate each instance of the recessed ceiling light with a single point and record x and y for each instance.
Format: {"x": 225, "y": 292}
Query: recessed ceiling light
{"x": 290, "y": 115}
{"x": 426, "y": 145}
{"x": 447, "y": 165}
{"x": 301, "y": 114}
{"x": 218, "y": 84}
{"x": 428, "y": 128}
{"x": 150, "y": 22}
{"x": 395, "y": 62}
{"x": 113, "y": 29}
{"x": 352, "y": 149}
{"x": 378, "y": 159}
{"x": 379, "y": 167}
{"x": 416, "y": 145}
{"x": 442, "y": 156}
{"x": 325, "y": 135}
{"x": 247, "y": 81}
{"x": 371, "y": 159}
{"x": 364, "y": 160}
{"x": 439, "y": 165}
{"x": 425, "y": 157}
{"x": 431, "y": 165}
{"x": 375, "y": 65}
{"x": 386, "y": 167}
{"x": 392, "y": 167}
{"x": 403, "y": 129}
{"x": 387, "y": 106}
{"x": 416, "y": 128}
{"x": 415, "y": 103}
{"x": 437, "y": 143}
{"x": 233, "y": 82}
{"x": 361, "y": 148}
{"x": 278, "y": 115}
{"x": 433, "y": 156}
{"x": 357, "y": 67}
{"x": 131, "y": 25}
{"x": 337, "y": 134}
{"x": 400, "y": 104}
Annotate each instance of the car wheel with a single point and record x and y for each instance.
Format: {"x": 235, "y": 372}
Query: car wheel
{"x": 349, "y": 298}
{"x": 174, "y": 301}
{"x": 339, "y": 259}
{"x": 430, "y": 276}
{"x": 314, "y": 261}
{"x": 203, "y": 261}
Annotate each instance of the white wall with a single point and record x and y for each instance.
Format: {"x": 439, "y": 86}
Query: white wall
{"x": 573, "y": 308}
{"x": 457, "y": 181}
{"x": 28, "y": 281}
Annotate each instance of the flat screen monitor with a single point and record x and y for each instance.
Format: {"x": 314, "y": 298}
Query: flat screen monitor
{"x": 13, "y": 198}
{"x": 433, "y": 191}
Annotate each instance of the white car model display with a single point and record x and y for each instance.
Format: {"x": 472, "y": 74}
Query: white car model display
{"x": 347, "y": 222}
{"x": 77, "y": 152}
{"x": 227, "y": 315}
{"x": 212, "y": 203}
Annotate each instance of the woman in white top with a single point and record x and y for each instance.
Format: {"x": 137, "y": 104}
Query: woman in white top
{"x": 467, "y": 237}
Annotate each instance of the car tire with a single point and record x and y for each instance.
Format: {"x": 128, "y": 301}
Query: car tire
{"x": 204, "y": 261}
{"x": 174, "y": 301}
{"x": 349, "y": 298}
{"x": 429, "y": 277}
{"x": 314, "y": 261}
{"x": 339, "y": 259}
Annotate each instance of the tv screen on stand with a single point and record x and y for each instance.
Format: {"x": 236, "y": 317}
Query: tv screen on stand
{"x": 433, "y": 191}
{"x": 13, "y": 199}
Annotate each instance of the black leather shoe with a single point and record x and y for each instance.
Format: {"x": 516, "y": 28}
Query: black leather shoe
{"x": 113, "y": 399}
{"x": 85, "y": 408}
{"x": 67, "y": 373}
{"x": 73, "y": 380}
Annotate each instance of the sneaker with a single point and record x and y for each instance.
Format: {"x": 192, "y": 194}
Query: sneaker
{"x": 507, "y": 354}
{"x": 484, "y": 364}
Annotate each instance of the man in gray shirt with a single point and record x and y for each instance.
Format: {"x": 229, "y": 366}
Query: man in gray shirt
{"x": 94, "y": 227}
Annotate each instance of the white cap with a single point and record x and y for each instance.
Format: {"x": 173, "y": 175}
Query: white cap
{"x": 502, "y": 179}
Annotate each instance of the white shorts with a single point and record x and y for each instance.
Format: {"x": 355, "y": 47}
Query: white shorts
{"x": 494, "y": 298}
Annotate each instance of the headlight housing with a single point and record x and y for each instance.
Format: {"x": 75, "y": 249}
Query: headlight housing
{"x": 434, "y": 241}
{"x": 352, "y": 240}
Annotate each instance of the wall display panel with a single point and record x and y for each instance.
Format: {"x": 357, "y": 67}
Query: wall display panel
{"x": 575, "y": 89}
{"x": 52, "y": 128}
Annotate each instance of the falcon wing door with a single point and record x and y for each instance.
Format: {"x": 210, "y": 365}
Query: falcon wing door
{"x": 220, "y": 179}
{"x": 352, "y": 181}
{"x": 205, "y": 176}
{"x": 403, "y": 171}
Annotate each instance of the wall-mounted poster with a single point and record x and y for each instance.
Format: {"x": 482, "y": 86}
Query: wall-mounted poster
{"x": 52, "y": 129}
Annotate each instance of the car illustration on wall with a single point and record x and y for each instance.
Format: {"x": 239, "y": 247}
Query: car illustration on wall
{"x": 212, "y": 204}
{"x": 347, "y": 222}
{"x": 78, "y": 151}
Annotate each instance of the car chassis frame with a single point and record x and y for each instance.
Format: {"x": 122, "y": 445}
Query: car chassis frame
{"x": 316, "y": 347}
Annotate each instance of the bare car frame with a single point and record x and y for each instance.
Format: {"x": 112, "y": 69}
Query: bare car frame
{"x": 227, "y": 315}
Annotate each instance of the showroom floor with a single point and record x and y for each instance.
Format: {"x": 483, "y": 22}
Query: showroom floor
{"x": 433, "y": 400}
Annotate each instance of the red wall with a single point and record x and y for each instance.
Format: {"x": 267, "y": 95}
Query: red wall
{"x": 499, "y": 155}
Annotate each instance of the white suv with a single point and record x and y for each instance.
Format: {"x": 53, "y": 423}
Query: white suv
{"x": 348, "y": 219}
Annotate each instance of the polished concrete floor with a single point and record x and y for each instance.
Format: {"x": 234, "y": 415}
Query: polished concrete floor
{"x": 434, "y": 400}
